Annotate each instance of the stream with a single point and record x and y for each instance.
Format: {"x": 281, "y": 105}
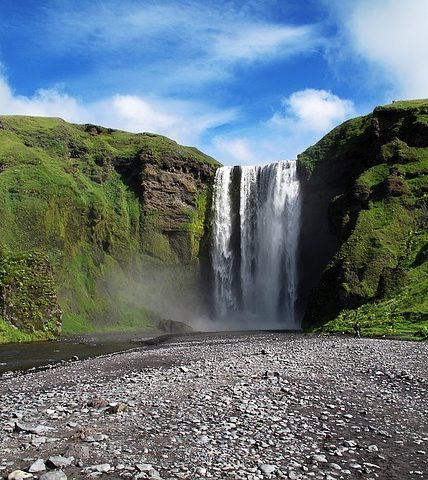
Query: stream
{"x": 25, "y": 356}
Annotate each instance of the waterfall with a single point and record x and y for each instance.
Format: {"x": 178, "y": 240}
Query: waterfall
{"x": 255, "y": 239}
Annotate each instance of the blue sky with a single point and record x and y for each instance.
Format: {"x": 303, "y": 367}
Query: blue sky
{"x": 246, "y": 81}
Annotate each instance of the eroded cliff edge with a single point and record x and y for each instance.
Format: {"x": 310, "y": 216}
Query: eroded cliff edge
{"x": 364, "y": 244}
{"x": 100, "y": 228}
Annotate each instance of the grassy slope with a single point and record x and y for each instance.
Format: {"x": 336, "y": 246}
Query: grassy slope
{"x": 380, "y": 273}
{"x": 61, "y": 193}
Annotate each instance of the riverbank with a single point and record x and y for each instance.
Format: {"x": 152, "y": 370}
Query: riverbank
{"x": 69, "y": 348}
{"x": 231, "y": 405}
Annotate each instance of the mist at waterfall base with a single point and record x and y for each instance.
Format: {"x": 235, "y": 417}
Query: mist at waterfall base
{"x": 256, "y": 222}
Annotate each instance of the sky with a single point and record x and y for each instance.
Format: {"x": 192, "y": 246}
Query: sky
{"x": 247, "y": 82}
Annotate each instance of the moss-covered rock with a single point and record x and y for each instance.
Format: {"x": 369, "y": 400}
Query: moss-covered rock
{"x": 28, "y": 300}
{"x": 100, "y": 203}
{"x": 368, "y": 179}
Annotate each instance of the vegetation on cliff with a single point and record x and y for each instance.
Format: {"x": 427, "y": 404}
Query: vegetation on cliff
{"x": 373, "y": 172}
{"x": 84, "y": 210}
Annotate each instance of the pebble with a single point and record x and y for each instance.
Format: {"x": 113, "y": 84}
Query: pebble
{"x": 267, "y": 469}
{"x": 319, "y": 458}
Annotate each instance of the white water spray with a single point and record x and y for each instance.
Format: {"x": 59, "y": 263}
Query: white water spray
{"x": 255, "y": 240}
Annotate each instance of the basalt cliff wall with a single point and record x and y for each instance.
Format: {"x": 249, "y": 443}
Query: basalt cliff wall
{"x": 364, "y": 242}
{"x": 98, "y": 227}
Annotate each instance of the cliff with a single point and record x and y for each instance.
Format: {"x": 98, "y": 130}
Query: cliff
{"x": 95, "y": 224}
{"x": 364, "y": 247}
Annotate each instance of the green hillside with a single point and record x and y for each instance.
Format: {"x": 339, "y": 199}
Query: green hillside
{"x": 374, "y": 173}
{"x": 77, "y": 218}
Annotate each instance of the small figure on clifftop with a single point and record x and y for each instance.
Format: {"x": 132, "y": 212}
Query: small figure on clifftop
{"x": 357, "y": 328}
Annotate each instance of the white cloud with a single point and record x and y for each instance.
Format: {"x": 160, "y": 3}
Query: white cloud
{"x": 313, "y": 110}
{"x": 305, "y": 116}
{"x": 183, "y": 121}
{"x": 234, "y": 150}
{"x": 259, "y": 41}
{"x": 44, "y": 103}
{"x": 170, "y": 42}
{"x": 392, "y": 35}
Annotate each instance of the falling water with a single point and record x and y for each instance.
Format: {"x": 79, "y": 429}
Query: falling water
{"x": 255, "y": 238}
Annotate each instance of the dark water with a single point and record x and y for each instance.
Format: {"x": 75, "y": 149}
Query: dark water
{"x": 23, "y": 356}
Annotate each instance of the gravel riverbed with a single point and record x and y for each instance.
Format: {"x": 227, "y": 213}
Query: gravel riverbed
{"x": 224, "y": 406}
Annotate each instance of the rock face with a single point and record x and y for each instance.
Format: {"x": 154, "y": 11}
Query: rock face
{"x": 175, "y": 192}
{"x": 368, "y": 180}
{"x": 109, "y": 212}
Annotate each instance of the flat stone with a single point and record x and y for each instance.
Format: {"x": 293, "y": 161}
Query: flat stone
{"x": 37, "y": 430}
{"x": 143, "y": 467}
{"x": 37, "y": 466}
{"x": 55, "y": 475}
{"x": 59, "y": 461}
{"x": 102, "y": 468}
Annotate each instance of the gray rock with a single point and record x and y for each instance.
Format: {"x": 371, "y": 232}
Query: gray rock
{"x": 267, "y": 469}
{"x": 59, "y": 461}
{"x": 101, "y": 468}
{"x": 37, "y": 430}
{"x": 350, "y": 443}
{"x": 37, "y": 466}
{"x": 38, "y": 440}
{"x": 319, "y": 458}
{"x": 201, "y": 471}
{"x": 143, "y": 467}
{"x": 18, "y": 474}
{"x": 55, "y": 475}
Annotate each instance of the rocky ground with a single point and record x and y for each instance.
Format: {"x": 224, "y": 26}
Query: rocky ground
{"x": 225, "y": 406}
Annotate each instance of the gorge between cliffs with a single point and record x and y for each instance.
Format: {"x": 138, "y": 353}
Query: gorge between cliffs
{"x": 104, "y": 230}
